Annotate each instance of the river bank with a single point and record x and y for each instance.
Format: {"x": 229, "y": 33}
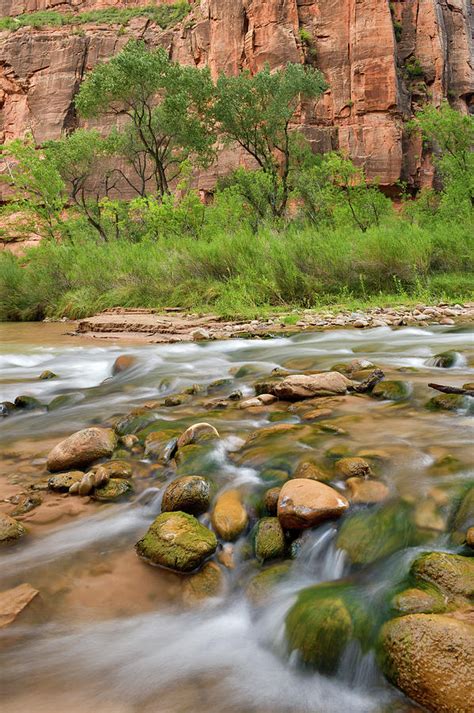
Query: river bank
{"x": 175, "y": 325}
{"x": 108, "y": 630}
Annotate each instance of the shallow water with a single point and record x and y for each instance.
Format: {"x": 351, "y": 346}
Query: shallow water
{"x": 110, "y": 632}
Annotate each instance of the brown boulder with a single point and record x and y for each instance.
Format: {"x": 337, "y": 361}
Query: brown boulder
{"x": 123, "y": 363}
{"x": 304, "y": 503}
{"x": 307, "y": 386}
{"x": 367, "y": 491}
{"x": 82, "y": 448}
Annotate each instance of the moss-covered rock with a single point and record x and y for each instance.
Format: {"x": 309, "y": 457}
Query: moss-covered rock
{"x": 10, "y": 529}
{"x": 268, "y": 539}
{"x": 47, "y": 375}
{"x": 391, "y": 390}
{"x": 322, "y": 622}
{"x": 177, "y": 541}
{"x": 368, "y": 536}
{"x": 463, "y": 519}
{"x": 161, "y": 445}
{"x": 114, "y": 469}
{"x": 270, "y": 500}
{"x": 311, "y": 470}
{"x": 191, "y": 494}
{"x": 449, "y": 402}
{"x": 197, "y": 433}
{"x": 114, "y": 489}
{"x": 353, "y": 467}
{"x": 261, "y": 585}
{"x": 27, "y": 403}
{"x": 429, "y": 657}
{"x": 61, "y": 482}
{"x": 418, "y": 600}
{"x": 445, "y": 360}
{"x": 62, "y": 401}
{"x": 452, "y": 574}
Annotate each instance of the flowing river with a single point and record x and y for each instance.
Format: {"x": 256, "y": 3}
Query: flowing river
{"x": 109, "y": 632}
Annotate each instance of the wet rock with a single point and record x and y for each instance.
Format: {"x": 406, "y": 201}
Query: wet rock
{"x": 308, "y": 469}
{"x": 306, "y": 386}
{"x": 177, "y": 541}
{"x": 14, "y": 601}
{"x": 452, "y": 574}
{"x": 229, "y": 517}
{"x": 10, "y": 529}
{"x": 367, "y": 491}
{"x": 305, "y": 503}
{"x": 191, "y": 494}
{"x": 113, "y": 469}
{"x": 470, "y": 537}
{"x": 176, "y": 400}
{"x": 197, "y": 433}
{"x": 368, "y": 536}
{"x": 392, "y": 390}
{"x": 445, "y": 360}
{"x": 82, "y": 448}
{"x": 61, "y": 482}
{"x": 124, "y": 362}
{"x": 270, "y": 500}
{"x": 449, "y": 402}
{"x": 26, "y": 503}
{"x": 114, "y": 489}
{"x": 260, "y": 400}
{"x": 61, "y": 401}
{"x": 353, "y": 467}
{"x": 6, "y": 408}
{"x": 418, "y": 601}
{"x": 428, "y": 516}
{"x": 27, "y": 403}
{"x": 47, "y": 375}
{"x": 199, "y": 335}
{"x": 268, "y": 539}
{"x": 261, "y": 585}
{"x": 322, "y": 622}
{"x": 429, "y": 657}
{"x": 225, "y": 555}
{"x": 129, "y": 441}
{"x": 205, "y": 584}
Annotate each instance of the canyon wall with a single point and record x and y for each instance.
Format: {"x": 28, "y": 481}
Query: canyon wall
{"x": 381, "y": 59}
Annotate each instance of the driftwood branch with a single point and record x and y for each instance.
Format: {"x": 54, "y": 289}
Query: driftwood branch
{"x": 452, "y": 389}
{"x": 366, "y": 386}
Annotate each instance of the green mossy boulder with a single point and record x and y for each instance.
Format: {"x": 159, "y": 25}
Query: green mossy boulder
{"x": 191, "y": 494}
{"x": 260, "y": 587}
{"x": 27, "y": 403}
{"x": 369, "y": 535}
{"x": 391, "y": 390}
{"x": 47, "y": 375}
{"x": 62, "y": 401}
{"x": 323, "y": 621}
{"x": 419, "y": 600}
{"x": 203, "y": 585}
{"x": 161, "y": 445}
{"x": 61, "y": 482}
{"x": 452, "y": 574}
{"x": 445, "y": 360}
{"x": 463, "y": 519}
{"x": 115, "y": 489}
{"x": 268, "y": 539}
{"x": 177, "y": 541}
{"x": 450, "y": 402}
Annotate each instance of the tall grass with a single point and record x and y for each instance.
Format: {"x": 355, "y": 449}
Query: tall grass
{"x": 240, "y": 272}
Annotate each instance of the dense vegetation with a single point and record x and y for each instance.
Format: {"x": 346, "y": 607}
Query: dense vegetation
{"x": 164, "y": 16}
{"x": 297, "y": 230}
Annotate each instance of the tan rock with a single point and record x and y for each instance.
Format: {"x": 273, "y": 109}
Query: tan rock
{"x": 197, "y": 432}
{"x": 13, "y": 601}
{"x": 270, "y": 500}
{"x": 304, "y": 503}
{"x": 430, "y": 657}
{"x": 308, "y": 469}
{"x": 367, "y": 491}
{"x": 260, "y": 400}
{"x": 10, "y": 529}
{"x": 306, "y": 386}
{"x": 82, "y": 448}
{"x": 123, "y": 363}
{"x": 229, "y": 517}
{"x": 205, "y": 584}
{"x": 470, "y": 537}
{"x": 353, "y": 467}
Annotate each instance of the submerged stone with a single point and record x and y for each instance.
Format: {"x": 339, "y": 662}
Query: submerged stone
{"x": 353, "y": 467}
{"x": 445, "y": 360}
{"x": 229, "y": 517}
{"x": 449, "y": 402}
{"x": 392, "y": 390}
{"x": 47, "y": 375}
{"x": 27, "y": 403}
{"x": 114, "y": 489}
{"x": 177, "y": 541}
{"x": 197, "y": 433}
{"x": 261, "y": 585}
{"x": 124, "y": 362}
{"x": 205, "y": 584}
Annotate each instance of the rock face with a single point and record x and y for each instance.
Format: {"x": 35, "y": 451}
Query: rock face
{"x": 82, "y": 448}
{"x": 429, "y": 657}
{"x": 304, "y": 503}
{"x": 362, "y": 48}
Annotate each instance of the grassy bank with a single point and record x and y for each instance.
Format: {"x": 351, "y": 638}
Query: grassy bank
{"x": 238, "y": 272}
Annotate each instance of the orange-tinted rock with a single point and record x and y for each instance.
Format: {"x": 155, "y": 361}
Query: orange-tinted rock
{"x": 306, "y": 386}
{"x": 304, "y": 503}
{"x": 13, "y": 601}
{"x": 367, "y": 491}
{"x": 123, "y": 363}
{"x": 229, "y": 517}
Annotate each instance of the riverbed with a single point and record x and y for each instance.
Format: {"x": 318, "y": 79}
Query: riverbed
{"x": 111, "y": 633}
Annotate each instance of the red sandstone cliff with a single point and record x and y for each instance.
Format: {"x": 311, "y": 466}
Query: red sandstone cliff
{"x": 361, "y": 46}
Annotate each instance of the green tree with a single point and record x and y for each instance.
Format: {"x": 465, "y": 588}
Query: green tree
{"x": 452, "y": 136}
{"x": 167, "y": 106}
{"x": 36, "y": 184}
{"x": 256, "y": 111}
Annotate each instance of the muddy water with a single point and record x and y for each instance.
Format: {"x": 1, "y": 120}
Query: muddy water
{"x": 110, "y": 633}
